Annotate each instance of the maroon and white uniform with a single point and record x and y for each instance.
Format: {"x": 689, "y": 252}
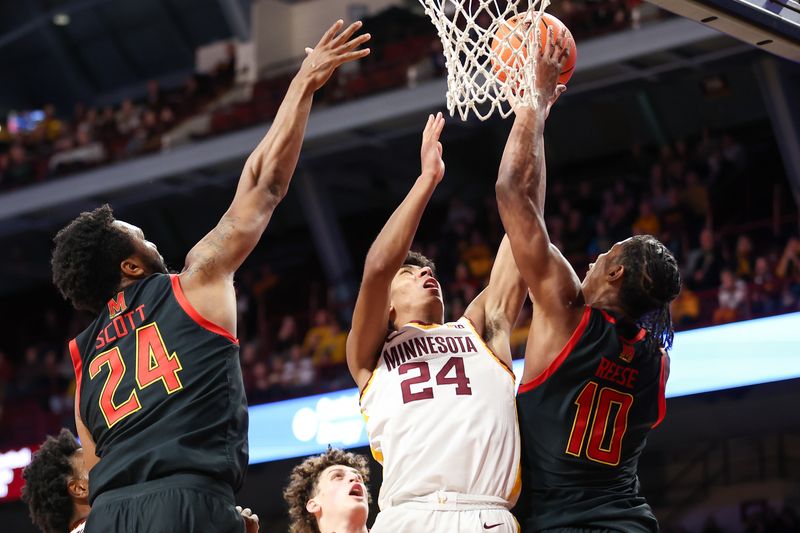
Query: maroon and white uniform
{"x": 441, "y": 417}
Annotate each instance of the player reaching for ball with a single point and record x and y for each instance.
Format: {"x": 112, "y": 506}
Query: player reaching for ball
{"x": 438, "y": 397}
{"x": 159, "y": 402}
{"x": 595, "y": 363}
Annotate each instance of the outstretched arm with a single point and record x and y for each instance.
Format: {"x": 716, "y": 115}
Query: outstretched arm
{"x": 520, "y": 192}
{"x": 386, "y": 256}
{"x": 495, "y": 310}
{"x": 208, "y": 273}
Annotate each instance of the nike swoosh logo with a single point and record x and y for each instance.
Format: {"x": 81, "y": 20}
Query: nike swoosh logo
{"x": 492, "y": 526}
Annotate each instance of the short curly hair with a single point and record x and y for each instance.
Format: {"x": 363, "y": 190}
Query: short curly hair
{"x": 86, "y": 258}
{"x": 303, "y": 485}
{"x": 46, "y": 478}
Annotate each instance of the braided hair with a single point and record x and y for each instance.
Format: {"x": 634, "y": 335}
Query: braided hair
{"x": 651, "y": 281}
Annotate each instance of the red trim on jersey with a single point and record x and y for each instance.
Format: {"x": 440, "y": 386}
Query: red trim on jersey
{"x": 192, "y": 312}
{"x": 662, "y": 386}
{"x": 557, "y": 362}
{"x": 639, "y": 336}
{"x": 76, "y": 526}
{"x": 77, "y": 364}
{"x": 608, "y": 317}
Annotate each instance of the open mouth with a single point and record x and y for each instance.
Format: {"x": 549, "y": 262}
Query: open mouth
{"x": 430, "y": 283}
{"x": 357, "y": 490}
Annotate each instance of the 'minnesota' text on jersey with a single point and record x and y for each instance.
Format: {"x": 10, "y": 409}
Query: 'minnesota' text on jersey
{"x": 584, "y": 423}
{"x": 160, "y": 390}
{"x": 440, "y": 415}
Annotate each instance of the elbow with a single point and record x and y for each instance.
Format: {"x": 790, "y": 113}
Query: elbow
{"x": 376, "y": 266}
{"x": 505, "y": 188}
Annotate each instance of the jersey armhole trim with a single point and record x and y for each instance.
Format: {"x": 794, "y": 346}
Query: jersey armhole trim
{"x": 77, "y": 365}
{"x": 559, "y": 360}
{"x": 662, "y": 389}
{"x": 489, "y": 348}
{"x": 194, "y": 314}
{"x": 368, "y": 384}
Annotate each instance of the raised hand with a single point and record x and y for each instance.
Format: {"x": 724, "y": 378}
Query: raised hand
{"x": 431, "y": 151}
{"x": 550, "y": 60}
{"x": 331, "y": 51}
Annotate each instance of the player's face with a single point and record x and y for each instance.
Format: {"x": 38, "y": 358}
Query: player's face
{"x": 341, "y": 491}
{"x": 598, "y": 270}
{"x": 414, "y": 287}
{"x": 145, "y": 250}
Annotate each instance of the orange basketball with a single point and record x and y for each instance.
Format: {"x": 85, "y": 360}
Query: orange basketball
{"x": 506, "y": 52}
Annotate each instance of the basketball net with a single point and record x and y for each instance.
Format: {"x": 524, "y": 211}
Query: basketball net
{"x": 478, "y": 79}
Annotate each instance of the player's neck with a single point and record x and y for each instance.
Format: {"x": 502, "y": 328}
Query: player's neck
{"x": 80, "y": 512}
{"x": 425, "y": 316}
{"x": 355, "y": 523}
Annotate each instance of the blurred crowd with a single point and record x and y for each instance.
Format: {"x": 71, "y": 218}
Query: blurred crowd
{"x": 733, "y": 269}
{"x": 737, "y": 262}
{"x": 52, "y": 144}
{"x": 755, "y": 517}
{"x": 405, "y": 49}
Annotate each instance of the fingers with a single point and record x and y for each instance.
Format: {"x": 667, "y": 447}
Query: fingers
{"x": 426, "y": 133}
{"x": 326, "y": 38}
{"x": 238, "y": 509}
{"x": 347, "y": 33}
{"x": 309, "y": 50}
{"x": 352, "y": 56}
{"x": 438, "y": 125}
{"x": 355, "y": 43}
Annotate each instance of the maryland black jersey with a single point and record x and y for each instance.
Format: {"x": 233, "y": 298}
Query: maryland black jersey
{"x": 160, "y": 389}
{"x": 584, "y": 422}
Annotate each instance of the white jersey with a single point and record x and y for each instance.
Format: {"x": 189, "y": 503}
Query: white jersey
{"x": 79, "y": 528}
{"x": 441, "y": 416}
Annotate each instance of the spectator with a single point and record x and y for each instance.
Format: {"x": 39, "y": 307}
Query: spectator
{"x": 685, "y": 308}
{"x": 704, "y": 263}
{"x": 766, "y": 289}
{"x": 647, "y": 223}
{"x": 732, "y": 298}
{"x": 127, "y": 118}
{"x": 744, "y": 258}
{"x": 298, "y": 371}
{"x": 331, "y": 351}
{"x": 20, "y": 169}
{"x": 319, "y": 333}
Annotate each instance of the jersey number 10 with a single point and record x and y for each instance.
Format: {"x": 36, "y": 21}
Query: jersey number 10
{"x": 595, "y": 451}
{"x": 153, "y": 363}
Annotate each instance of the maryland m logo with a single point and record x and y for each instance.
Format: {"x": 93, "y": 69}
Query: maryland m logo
{"x": 627, "y": 352}
{"x": 116, "y": 305}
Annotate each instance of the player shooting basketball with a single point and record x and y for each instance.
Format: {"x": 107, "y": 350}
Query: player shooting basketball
{"x": 438, "y": 398}
{"x": 595, "y": 363}
{"x": 159, "y": 388}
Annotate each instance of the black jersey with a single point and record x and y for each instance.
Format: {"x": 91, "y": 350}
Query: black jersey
{"x": 160, "y": 390}
{"x": 584, "y": 422}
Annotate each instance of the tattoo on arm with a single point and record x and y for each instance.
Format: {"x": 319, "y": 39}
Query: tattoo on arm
{"x": 213, "y": 246}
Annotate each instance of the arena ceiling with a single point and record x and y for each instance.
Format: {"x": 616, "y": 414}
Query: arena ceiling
{"x": 64, "y": 51}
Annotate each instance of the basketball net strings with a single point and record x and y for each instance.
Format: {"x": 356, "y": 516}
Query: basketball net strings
{"x": 479, "y": 80}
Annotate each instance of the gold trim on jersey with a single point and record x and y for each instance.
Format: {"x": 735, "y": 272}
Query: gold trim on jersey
{"x": 488, "y": 349}
{"x": 423, "y": 325}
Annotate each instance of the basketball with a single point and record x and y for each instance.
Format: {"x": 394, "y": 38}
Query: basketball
{"x": 506, "y": 52}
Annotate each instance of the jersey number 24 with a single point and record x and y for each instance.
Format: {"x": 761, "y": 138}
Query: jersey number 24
{"x": 460, "y": 380}
{"x": 153, "y": 363}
